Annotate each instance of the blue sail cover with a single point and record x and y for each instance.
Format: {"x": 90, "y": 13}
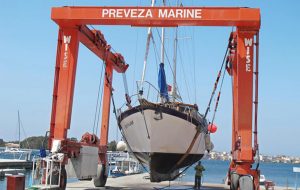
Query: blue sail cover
{"x": 162, "y": 83}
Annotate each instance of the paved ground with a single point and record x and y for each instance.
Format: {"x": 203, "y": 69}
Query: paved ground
{"x": 139, "y": 182}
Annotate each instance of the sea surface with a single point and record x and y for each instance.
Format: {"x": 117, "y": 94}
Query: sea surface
{"x": 215, "y": 172}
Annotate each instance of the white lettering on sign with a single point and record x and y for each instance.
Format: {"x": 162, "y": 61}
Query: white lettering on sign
{"x": 148, "y": 13}
{"x": 179, "y": 13}
{"x": 127, "y": 13}
{"x": 67, "y": 40}
{"x": 248, "y": 44}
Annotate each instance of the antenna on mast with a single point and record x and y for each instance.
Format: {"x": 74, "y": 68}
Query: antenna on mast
{"x": 19, "y": 129}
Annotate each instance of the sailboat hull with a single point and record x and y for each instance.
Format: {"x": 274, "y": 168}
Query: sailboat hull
{"x": 160, "y": 136}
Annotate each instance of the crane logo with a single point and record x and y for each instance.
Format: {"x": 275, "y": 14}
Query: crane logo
{"x": 248, "y": 44}
{"x": 67, "y": 41}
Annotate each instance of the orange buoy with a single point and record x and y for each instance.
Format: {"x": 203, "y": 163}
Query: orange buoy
{"x": 212, "y": 128}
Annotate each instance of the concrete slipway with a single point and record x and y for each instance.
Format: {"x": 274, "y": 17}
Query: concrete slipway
{"x": 140, "y": 182}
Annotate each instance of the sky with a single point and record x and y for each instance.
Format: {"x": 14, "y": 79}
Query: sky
{"x": 28, "y": 39}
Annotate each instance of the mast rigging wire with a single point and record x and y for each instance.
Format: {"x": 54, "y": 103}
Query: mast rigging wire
{"x": 194, "y": 62}
{"x": 168, "y": 60}
{"x": 184, "y": 76}
{"x": 135, "y": 60}
{"x": 156, "y": 55}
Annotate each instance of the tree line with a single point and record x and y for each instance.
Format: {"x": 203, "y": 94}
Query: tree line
{"x": 37, "y": 142}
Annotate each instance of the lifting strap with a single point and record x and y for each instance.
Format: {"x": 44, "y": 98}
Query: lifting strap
{"x": 119, "y": 125}
{"x": 218, "y": 98}
{"x": 218, "y": 77}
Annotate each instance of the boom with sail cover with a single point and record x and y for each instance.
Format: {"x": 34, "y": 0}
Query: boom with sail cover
{"x": 162, "y": 83}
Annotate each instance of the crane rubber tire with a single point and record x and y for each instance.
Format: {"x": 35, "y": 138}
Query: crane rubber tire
{"x": 246, "y": 183}
{"x": 101, "y": 178}
{"x": 234, "y": 181}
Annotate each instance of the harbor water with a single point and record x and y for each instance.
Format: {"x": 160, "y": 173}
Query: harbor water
{"x": 215, "y": 172}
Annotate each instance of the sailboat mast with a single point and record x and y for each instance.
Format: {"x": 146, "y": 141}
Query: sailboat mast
{"x": 147, "y": 48}
{"x": 174, "y": 91}
{"x": 174, "y": 65}
{"x": 162, "y": 52}
{"x": 162, "y": 83}
{"x": 19, "y": 127}
{"x": 146, "y": 54}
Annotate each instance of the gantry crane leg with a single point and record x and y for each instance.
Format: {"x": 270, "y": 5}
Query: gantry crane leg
{"x": 241, "y": 174}
{"x": 63, "y": 92}
{"x": 65, "y": 72}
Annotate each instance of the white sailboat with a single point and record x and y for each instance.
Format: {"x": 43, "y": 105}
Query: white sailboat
{"x": 166, "y": 135}
{"x": 13, "y": 151}
{"x": 12, "y": 147}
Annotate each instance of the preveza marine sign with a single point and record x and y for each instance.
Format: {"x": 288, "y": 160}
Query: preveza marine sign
{"x": 179, "y": 13}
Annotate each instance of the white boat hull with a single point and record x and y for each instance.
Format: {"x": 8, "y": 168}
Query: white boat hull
{"x": 160, "y": 139}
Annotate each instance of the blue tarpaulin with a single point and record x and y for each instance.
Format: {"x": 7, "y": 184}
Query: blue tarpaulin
{"x": 162, "y": 83}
